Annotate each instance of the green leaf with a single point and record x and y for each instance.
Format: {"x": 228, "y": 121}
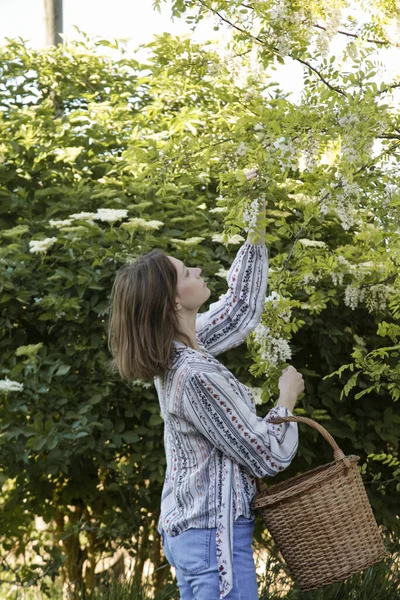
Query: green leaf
{"x": 130, "y": 436}
{"x": 63, "y": 370}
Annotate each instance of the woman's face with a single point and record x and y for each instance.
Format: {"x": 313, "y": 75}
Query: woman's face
{"x": 192, "y": 289}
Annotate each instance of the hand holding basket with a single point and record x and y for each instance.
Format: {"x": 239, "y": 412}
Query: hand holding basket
{"x": 321, "y": 521}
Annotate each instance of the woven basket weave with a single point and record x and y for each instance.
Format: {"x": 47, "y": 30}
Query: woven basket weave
{"x": 321, "y": 521}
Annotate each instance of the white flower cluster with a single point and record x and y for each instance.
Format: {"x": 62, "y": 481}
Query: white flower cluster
{"x": 286, "y": 153}
{"x": 348, "y": 120}
{"x": 309, "y": 278}
{"x": 256, "y": 393}
{"x": 41, "y": 246}
{"x": 234, "y": 239}
{"x": 7, "y": 385}
{"x": 193, "y": 241}
{"x": 337, "y": 278}
{"x": 241, "y": 72}
{"x": 218, "y": 209}
{"x": 250, "y": 214}
{"x": 278, "y": 12}
{"x": 378, "y": 297}
{"x": 309, "y": 156}
{"x": 141, "y": 383}
{"x": 334, "y": 22}
{"x": 375, "y": 296}
{"x": 60, "y": 224}
{"x": 84, "y": 216}
{"x": 342, "y": 202}
{"x": 312, "y": 243}
{"x": 353, "y": 296}
{"x": 242, "y": 149}
{"x": 110, "y": 215}
{"x": 138, "y": 223}
{"x": 274, "y": 298}
{"x": 349, "y": 153}
{"x": 272, "y": 349}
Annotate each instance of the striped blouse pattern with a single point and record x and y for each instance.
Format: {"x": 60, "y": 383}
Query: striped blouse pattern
{"x": 215, "y": 443}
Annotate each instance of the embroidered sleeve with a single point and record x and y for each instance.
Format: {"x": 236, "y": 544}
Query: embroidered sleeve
{"x": 236, "y": 313}
{"x": 229, "y": 424}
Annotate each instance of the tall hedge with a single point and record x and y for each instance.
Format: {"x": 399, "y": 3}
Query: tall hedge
{"x": 102, "y": 159}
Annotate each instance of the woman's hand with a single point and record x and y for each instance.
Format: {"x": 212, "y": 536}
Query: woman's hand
{"x": 291, "y": 385}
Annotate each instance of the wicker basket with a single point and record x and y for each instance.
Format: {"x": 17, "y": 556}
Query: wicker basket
{"x": 321, "y": 521}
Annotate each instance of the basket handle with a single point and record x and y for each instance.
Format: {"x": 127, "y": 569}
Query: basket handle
{"x": 337, "y": 452}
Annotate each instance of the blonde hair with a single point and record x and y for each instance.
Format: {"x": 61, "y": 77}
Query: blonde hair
{"x": 143, "y": 319}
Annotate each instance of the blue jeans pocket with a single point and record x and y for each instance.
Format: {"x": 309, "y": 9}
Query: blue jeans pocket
{"x": 190, "y": 550}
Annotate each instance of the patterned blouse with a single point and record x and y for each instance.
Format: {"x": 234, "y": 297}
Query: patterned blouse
{"x": 215, "y": 443}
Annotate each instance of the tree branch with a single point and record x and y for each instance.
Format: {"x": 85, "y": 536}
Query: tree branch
{"x": 260, "y": 41}
{"x": 354, "y": 35}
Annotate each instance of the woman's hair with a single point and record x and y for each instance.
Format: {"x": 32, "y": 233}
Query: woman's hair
{"x": 143, "y": 319}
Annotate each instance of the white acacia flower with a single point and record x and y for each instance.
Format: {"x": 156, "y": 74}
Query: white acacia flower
{"x": 7, "y": 385}
{"x": 250, "y": 214}
{"x": 241, "y": 149}
{"x": 274, "y": 296}
{"x": 41, "y": 246}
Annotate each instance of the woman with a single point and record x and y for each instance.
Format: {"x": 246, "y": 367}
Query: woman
{"x": 215, "y": 443}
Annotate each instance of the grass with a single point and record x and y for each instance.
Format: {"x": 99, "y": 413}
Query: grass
{"x": 379, "y": 582}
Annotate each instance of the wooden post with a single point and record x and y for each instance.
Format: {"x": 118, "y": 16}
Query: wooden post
{"x": 53, "y": 19}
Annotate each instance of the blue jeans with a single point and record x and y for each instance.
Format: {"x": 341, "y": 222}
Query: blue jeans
{"x": 193, "y": 555}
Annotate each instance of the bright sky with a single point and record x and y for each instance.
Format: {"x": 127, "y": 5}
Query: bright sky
{"x": 136, "y": 20}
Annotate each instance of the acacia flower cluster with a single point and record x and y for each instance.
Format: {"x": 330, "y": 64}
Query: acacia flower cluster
{"x": 250, "y": 213}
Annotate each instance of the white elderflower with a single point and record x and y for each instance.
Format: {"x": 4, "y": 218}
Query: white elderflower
{"x": 7, "y": 385}
{"x": 218, "y": 209}
{"x": 30, "y": 350}
{"x": 189, "y": 242}
{"x": 312, "y": 243}
{"x": 110, "y": 215}
{"x": 235, "y": 239}
{"x": 139, "y": 223}
{"x": 59, "y": 224}
{"x": 41, "y": 246}
{"x": 84, "y": 216}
